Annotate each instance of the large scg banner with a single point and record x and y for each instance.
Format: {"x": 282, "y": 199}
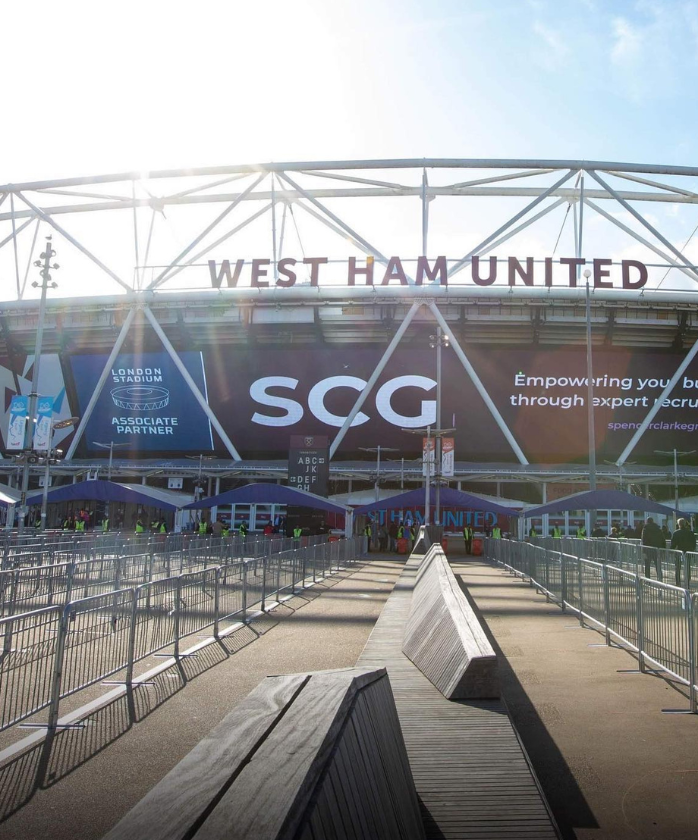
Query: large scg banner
{"x": 264, "y": 395}
{"x": 145, "y": 403}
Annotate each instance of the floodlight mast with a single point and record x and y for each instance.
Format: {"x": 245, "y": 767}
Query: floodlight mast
{"x": 45, "y": 284}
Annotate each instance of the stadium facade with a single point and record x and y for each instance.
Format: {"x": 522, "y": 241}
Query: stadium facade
{"x": 203, "y": 317}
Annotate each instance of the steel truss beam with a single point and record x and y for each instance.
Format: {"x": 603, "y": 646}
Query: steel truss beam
{"x": 38, "y": 212}
{"x": 515, "y": 218}
{"x": 641, "y": 219}
{"x": 162, "y": 277}
{"x": 689, "y": 272}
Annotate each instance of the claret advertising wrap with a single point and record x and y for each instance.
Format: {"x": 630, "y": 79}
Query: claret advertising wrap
{"x": 263, "y": 395}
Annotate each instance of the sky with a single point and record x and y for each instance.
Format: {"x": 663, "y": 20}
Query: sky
{"x": 137, "y": 85}
{"x": 133, "y": 86}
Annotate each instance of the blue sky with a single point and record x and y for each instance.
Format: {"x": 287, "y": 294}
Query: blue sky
{"x": 154, "y": 85}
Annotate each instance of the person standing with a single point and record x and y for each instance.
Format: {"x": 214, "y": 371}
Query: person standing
{"x": 392, "y": 535}
{"x": 683, "y": 539}
{"x": 556, "y": 532}
{"x": 468, "y": 538}
{"x": 496, "y": 533}
{"x": 581, "y": 532}
{"x": 652, "y": 539}
{"x": 367, "y": 534}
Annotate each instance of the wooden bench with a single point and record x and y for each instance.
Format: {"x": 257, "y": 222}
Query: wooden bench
{"x": 304, "y": 756}
{"x": 443, "y": 636}
{"x": 472, "y": 775}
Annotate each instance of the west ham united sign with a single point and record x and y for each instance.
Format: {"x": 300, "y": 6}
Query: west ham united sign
{"x": 482, "y": 271}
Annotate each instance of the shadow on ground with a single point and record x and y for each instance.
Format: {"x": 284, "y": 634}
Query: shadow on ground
{"x": 560, "y": 787}
{"x": 64, "y": 751}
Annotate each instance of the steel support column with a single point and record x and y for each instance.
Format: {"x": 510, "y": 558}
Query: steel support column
{"x": 374, "y": 377}
{"x": 126, "y": 326}
{"x": 494, "y": 411}
{"x": 198, "y": 396}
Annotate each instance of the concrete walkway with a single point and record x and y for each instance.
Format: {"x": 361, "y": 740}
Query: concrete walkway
{"x": 95, "y": 775}
{"x": 613, "y": 764}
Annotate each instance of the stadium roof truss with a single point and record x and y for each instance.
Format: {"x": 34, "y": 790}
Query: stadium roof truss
{"x": 216, "y": 209}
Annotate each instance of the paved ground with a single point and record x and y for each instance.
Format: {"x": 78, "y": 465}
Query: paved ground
{"x": 97, "y": 774}
{"x": 613, "y": 765}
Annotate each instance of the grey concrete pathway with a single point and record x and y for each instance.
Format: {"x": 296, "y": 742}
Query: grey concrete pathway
{"x": 613, "y": 764}
{"x": 97, "y": 774}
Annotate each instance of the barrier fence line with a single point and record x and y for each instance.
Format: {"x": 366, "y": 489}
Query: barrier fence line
{"x": 655, "y": 619}
{"x": 27, "y": 587}
{"x": 53, "y": 652}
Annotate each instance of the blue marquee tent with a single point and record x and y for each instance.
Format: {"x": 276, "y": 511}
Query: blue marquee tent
{"x": 269, "y": 494}
{"x": 449, "y": 498}
{"x": 600, "y": 500}
{"x": 112, "y": 491}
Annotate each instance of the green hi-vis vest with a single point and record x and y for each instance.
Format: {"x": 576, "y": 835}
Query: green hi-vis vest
{"x": 163, "y": 528}
{"x": 202, "y": 527}
{"x": 496, "y": 533}
{"x": 225, "y": 532}
{"x": 557, "y": 533}
{"x": 105, "y": 524}
{"x": 79, "y": 525}
{"x": 367, "y": 530}
{"x": 139, "y": 528}
{"x": 297, "y": 532}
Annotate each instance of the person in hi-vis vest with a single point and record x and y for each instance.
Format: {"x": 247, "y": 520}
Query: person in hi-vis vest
{"x": 468, "y": 538}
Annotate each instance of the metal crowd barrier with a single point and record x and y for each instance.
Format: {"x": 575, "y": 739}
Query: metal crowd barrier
{"x": 663, "y": 564}
{"x": 51, "y": 653}
{"x": 28, "y": 587}
{"x": 655, "y": 619}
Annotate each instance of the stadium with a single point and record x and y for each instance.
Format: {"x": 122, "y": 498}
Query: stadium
{"x": 205, "y": 317}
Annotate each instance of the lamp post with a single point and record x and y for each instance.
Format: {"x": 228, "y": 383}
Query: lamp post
{"x": 378, "y": 449}
{"x": 430, "y": 433}
{"x": 46, "y": 283}
{"x": 200, "y": 459}
{"x": 676, "y": 454}
{"x": 590, "y": 401}
{"x": 110, "y": 446}
{"x": 61, "y": 424}
{"x": 438, "y": 341}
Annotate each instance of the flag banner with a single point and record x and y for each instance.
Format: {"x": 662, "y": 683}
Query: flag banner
{"x": 428, "y": 455}
{"x": 19, "y": 410}
{"x": 448, "y": 457}
{"x": 44, "y": 423}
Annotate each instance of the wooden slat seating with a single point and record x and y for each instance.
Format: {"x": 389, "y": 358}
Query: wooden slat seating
{"x": 472, "y": 775}
{"x": 305, "y": 756}
{"x": 443, "y": 636}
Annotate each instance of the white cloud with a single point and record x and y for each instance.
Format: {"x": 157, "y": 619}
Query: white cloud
{"x": 556, "y": 48}
{"x": 628, "y": 42}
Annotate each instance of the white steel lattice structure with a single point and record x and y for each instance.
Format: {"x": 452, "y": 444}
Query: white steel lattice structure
{"x": 135, "y": 249}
